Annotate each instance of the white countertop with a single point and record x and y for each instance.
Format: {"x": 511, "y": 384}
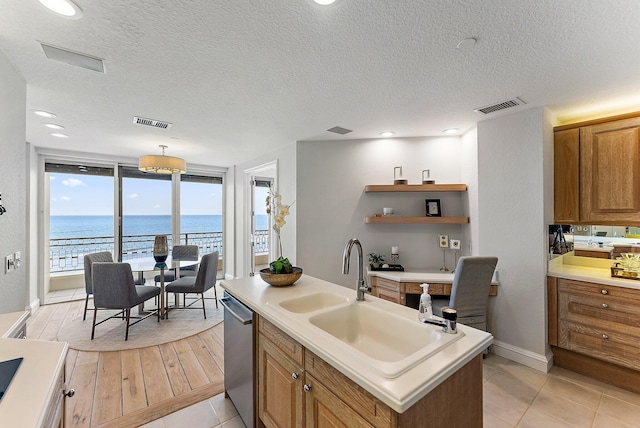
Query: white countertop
{"x": 419, "y": 275}
{"x": 587, "y": 269}
{"x": 400, "y": 392}
{"x": 35, "y": 383}
{"x": 12, "y": 321}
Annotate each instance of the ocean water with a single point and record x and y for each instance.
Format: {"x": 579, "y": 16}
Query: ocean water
{"x": 89, "y": 226}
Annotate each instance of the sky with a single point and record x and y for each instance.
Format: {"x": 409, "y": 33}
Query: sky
{"x": 73, "y": 194}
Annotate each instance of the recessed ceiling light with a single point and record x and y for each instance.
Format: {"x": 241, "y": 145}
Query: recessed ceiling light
{"x": 57, "y": 134}
{"x": 53, "y": 126}
{"x": 451, "y": 130}
{"x": 44, "y": 113}
{"x": 66, "y": 8}
{"x": 386, "y": 134}
{"x": 324, "y": 2}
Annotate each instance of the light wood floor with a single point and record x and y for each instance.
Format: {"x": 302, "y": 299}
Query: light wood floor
{"x": 133, "y": 387}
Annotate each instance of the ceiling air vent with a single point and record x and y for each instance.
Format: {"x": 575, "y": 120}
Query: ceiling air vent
{"x": 499, "y": 106}
{"x": 339, "y": 130}
{"x": 74, "y": 58}
{"x": 150, "y": 122}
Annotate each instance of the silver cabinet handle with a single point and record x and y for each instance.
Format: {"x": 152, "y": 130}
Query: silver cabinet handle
{"x": 70, "y": 393}
{"x": 604, "y": 336}
{"x": 604, "y": 305}
{"x": 604, "y": 292}
{"x": 295, "y": 376}
{"x": 307, "y": 387}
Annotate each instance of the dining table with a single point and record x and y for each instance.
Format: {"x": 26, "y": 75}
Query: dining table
{"x": 149, "y": 264}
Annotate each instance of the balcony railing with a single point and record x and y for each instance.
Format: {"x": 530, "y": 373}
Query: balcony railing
{"x": 67, "y": 254}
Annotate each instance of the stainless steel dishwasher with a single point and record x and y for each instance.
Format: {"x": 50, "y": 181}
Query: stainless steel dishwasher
{"x": 238, "y": 356}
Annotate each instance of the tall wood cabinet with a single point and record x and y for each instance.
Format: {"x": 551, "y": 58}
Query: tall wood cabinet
{"x": 597, "y": 171}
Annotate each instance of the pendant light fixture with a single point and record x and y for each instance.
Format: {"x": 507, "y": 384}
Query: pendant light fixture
{"x": 162, "y": 164}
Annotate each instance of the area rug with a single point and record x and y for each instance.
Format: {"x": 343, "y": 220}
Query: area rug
{"x": 109, "y": 336}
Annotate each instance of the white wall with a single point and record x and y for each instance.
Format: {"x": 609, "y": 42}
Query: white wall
{"x": 331, "y": 202}
{"x": 513, "y": 199}
{"x": 13, "y": 167}
{"x": 286, "y": 182}
{"x": 469, "y": 176}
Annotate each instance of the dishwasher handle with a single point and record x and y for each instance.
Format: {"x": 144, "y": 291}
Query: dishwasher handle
{"x": 227, "y": 303}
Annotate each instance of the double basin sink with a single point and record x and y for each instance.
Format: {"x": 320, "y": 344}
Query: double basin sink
{"x": 374, "y": 331}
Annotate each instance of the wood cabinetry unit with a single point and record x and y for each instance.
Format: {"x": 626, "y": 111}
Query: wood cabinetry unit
{"x": 416, "y": 188}
{"x": 396, "y": 291}
{"x": 597, "y": 171}
{"x": 296, "y": 388}
{"x": 566, "y": 169}
{"x": 599, "y": 322}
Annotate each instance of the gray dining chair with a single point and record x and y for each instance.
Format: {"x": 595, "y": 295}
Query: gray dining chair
{"x": 470, "y": 291}
{"x": 178, "y": 252}
{"x": 199, "y": 284}
{"x": 89, "y": 259}
{"x": 114, "y": 288}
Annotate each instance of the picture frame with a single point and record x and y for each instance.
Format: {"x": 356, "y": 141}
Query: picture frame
{"x": 433, "y": 208}
{"x": 443, "y": 241}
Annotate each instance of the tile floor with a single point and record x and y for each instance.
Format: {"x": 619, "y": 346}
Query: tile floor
{"x": 517, "y": 396}
{"x": 214, "y": 412}
{"x": 514, "y": 396}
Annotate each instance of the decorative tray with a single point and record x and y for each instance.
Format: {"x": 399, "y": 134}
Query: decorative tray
{"x": 397, "y": 268}
{"x": 618, "y": 272}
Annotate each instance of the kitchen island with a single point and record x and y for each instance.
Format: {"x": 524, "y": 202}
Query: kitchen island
{"x": 407, "y": 384}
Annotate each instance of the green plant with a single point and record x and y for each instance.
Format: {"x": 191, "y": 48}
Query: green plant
{"x": 375, "y": 258}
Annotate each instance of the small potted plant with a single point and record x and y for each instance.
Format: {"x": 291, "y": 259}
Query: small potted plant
{"x": 375, "y": 260}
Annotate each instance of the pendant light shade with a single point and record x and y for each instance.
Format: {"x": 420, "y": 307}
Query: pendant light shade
{"x": 162, "y": 164}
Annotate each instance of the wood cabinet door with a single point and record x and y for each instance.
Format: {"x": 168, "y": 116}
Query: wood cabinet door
{"x": 610, "y": 172}
{"x": 566, "y": 173}
{"x": 324, "y": 409}
{"x": 280, "y": 397}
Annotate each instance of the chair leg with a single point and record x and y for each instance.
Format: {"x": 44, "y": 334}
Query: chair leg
{"x": 93, "y": 328}
{"x": 126, "y": 334}
{"x": 86, "y": 303}
{"x": 166, "y": 304}
{"x": 203, "y": 309}
{"x": 215, "y": 295}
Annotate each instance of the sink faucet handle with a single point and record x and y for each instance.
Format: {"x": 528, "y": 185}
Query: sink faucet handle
{"x": 450, "y": 316}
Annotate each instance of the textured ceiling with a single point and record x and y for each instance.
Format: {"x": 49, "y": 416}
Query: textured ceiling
{"x": 238, "y": 78}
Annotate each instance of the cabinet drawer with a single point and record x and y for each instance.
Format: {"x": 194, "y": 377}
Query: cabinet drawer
{"x": 600, "y": 290}
{"x": 435, "y": 289}
{"x": 390, "y": 295}
{"x": 600, "y": 310}
{"x": 601, "y": 342}
{"x": 281, "y": 340}
{"x": 388, "y": 284}
{"x": 366, "y": 405}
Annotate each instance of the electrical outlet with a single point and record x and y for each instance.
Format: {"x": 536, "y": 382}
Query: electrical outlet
{"x": 8, "y": 263}
{"x": 17, "y": 257}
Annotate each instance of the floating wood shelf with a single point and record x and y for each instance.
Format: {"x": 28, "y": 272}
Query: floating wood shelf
{"x": 415, "y": 220}
{"x": 415, "y": 188}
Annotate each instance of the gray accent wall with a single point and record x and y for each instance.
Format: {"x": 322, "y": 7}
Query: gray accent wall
{"x": 332, "y": 205}
{"x": 13, "y": 187}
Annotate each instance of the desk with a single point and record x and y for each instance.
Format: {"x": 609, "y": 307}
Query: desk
{"x": 149, "y": 264}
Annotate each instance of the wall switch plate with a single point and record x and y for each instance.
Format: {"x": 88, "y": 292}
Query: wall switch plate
{"x": 8, "y": 263}
{"x": 17, "y": 259}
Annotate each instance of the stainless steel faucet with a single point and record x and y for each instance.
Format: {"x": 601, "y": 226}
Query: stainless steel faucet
{"x": 360, "y": 286}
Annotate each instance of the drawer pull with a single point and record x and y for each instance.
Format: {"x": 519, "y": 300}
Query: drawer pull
{"x": 604, "y": 292}
{"x": 604, "y": 305}
{"x": 604, "y": 336}
{"x": 307, "y": 387}
{"x": 295, "y": 376}
{"x": 70, "y": 393}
